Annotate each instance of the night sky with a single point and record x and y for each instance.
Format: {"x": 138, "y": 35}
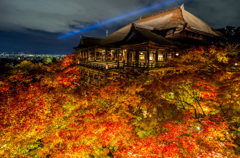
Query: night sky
{"x": 34, "y": 26}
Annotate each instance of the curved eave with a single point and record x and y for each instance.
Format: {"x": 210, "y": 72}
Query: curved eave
{"x": 197, "y": 25}
{"x": 192, "y": 29}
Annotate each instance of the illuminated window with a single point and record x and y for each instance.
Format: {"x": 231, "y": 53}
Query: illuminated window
{"x": 151, "y": 57}
{"x": 169, "y": 56}
{"x": 160, "y": 57}
{"x": 141, "y": 57}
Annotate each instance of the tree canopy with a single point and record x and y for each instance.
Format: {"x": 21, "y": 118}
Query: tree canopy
{"x": 45, "y": 112}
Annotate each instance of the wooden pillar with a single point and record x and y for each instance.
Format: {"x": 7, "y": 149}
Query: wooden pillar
{"x": 95, "y": 54}
{"x": 110, "y": 53}
{"x": 132, "y": 56}
{"x": 102, "y": 55}
{"x": 117, "y": 51}
{"x": 84, "y": 54}
{"x": 117, "y": 54}
{"x": 137, "y": 57}
{"x": 166, "y": 55}
{"x": 147, "y": 57}
{"x": 127, "y": 54}
{"x": 88, "y": 55}
{"x": 121, "y": 55}
{"x": 156, "y": 57}
{"x": 106, "y": 55}
{"x": 113, "y": 55}
{"x": 124, "y": 55}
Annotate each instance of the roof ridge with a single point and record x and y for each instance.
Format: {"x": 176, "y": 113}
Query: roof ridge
{"x": 181, "y": 10}
{"x": 143, "y": 17}
{"x": 142, "y": 26}
{"x": 193, "y": 27}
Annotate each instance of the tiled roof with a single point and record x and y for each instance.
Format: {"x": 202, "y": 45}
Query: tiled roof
{"x": 174, "y": 18}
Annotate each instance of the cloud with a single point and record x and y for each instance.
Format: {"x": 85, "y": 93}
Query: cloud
{"x": 217, "y": 13}
{"x": 62, "y": 15}
{"x": 66, "y": 15}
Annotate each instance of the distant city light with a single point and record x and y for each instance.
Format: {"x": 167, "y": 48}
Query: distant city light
{"x": 117, "y": 18}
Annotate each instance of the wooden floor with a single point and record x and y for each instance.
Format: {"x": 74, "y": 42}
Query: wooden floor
{"x": 97, "y": 74}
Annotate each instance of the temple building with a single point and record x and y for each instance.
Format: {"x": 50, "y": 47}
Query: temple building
{"x": 150, "y": 41}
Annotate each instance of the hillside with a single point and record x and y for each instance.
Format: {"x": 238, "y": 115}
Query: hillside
{"x": 46, "y": 110}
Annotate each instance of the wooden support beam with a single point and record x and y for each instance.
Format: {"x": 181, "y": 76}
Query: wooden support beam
{"x": 117, "y": 54}
{"x": 128, "y": 56}
{"x": 147, "y": 57}
{"x": 156, "y": 56}
{"x": 137, "y": 57}
{"x": 95, "y": 54}
{"x": 106, "y": 55}
{"x": 88, "y": 55}
{"x": 102, "y": 55}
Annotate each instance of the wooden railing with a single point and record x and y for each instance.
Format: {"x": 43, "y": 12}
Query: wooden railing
{"x": 145, "y": 65}
{"x": 107, "y": 66}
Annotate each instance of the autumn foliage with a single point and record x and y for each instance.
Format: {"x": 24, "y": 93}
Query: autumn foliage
{"x": 46, "y": 112}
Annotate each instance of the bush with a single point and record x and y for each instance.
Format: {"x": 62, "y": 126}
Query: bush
{"x": 26, "y": 65}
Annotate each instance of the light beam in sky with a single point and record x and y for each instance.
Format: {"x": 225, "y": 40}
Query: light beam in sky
{"x": 117, "y": 18}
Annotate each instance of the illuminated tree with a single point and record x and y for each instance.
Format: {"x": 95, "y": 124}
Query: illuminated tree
{"x": 47, "y": 60}
{"x": 26, "y": 65}
{"x": 194, "y": 114}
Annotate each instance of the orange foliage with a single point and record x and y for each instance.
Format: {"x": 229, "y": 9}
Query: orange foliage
{"x": 163, "y": 118}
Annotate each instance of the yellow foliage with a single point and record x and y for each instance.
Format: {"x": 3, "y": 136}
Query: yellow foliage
{"x": 26, "y": 65}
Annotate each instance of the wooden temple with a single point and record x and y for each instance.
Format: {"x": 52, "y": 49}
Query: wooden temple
{"x": 151, "y": 40}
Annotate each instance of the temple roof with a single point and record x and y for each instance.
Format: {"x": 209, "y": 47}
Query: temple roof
{"x": 152, "y": 28}
{"x": 140, "y": 33}
{"x": 174, "y": 18}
